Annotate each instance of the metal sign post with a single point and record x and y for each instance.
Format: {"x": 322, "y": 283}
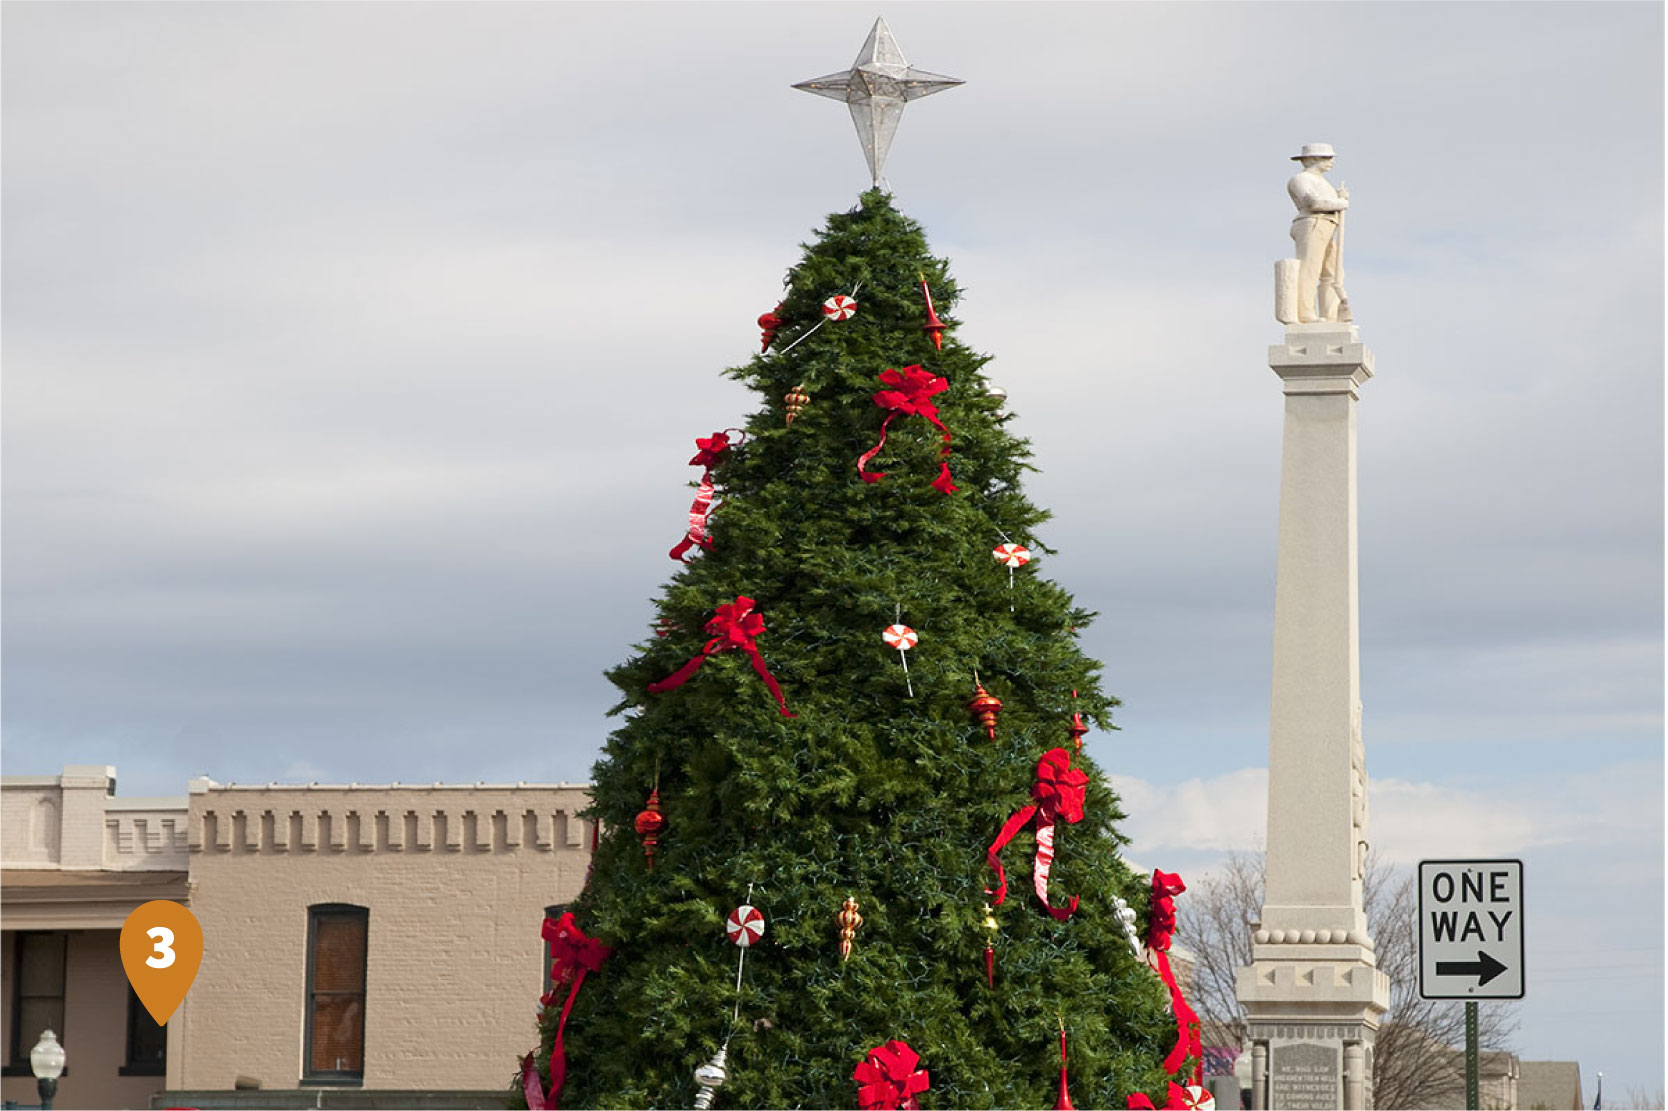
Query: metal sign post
{"x": 1471, "y": 941}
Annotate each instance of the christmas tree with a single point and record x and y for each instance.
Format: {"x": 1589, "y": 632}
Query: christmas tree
{"x": 799, "y": 759}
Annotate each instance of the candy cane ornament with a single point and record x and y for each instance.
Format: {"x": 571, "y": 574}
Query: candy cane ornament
{"x": 903, "y": 638}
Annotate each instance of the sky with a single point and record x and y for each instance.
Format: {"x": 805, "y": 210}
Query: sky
{"x": 353, "y": 354}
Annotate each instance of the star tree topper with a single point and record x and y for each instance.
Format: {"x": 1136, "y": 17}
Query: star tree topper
{"x": 876, "y": 88}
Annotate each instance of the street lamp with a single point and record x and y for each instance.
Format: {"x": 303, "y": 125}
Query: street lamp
{"x": 46, "y": 1061}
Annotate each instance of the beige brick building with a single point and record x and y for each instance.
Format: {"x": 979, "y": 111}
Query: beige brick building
{"x": 377, "y": 938}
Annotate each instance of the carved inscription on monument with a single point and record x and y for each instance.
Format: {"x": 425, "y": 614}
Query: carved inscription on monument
{"x": 1306, "y": 1077}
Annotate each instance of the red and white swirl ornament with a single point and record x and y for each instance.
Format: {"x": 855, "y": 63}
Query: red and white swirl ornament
{"x": 745, "y": 925}
{"x": 903, "y": 638}
{"x": 1011, "y": 556}
{"x": 839, "y": 307}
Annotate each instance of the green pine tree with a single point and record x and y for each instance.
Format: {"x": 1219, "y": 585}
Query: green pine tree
{"x": 867, "y": 792}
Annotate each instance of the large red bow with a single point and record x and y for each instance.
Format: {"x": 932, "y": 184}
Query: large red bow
{"x": 572, "y": 956}
{"x": 1161, "y": 928}
{"x": 709, "y": 450}
{"x": 1161, "y": 925}
{"x": 734, "y": 626}
{"x": 1058, "y": 792}
{"x": 910, "y": 394}
{"x": 888, "y": 1080}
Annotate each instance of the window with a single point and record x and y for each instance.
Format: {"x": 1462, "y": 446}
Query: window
{"x": 37, "y": 994}
{"x": 336, "y": 935}
{"x": 147, "y": 1043}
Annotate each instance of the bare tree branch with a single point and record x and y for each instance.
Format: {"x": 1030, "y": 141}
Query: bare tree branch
{"x": 1415, "y": 1059}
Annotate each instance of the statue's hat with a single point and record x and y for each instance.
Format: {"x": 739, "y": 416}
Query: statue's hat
{"x": 1315, "y": 150}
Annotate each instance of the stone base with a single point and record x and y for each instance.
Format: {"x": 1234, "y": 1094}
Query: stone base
{"x": 1312, "y": 1013}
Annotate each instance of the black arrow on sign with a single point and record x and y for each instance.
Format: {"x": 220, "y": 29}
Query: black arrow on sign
{"x": 1485, "y": 968}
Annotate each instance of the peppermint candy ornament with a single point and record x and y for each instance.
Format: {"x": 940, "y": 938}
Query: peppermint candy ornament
{"x": 745, "y": 925}
{"x": 903, "y": 638}
{"x": 1011, "y": 556}
{"x": 839, "y": 307}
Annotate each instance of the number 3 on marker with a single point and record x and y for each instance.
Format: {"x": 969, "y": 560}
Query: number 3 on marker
{"x": 164, "y": 943}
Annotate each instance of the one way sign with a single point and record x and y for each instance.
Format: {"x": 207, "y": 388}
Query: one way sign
{"x": 1471, "y": 929}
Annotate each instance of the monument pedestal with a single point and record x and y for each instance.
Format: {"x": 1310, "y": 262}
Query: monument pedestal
{"x": 1313, "y": 993}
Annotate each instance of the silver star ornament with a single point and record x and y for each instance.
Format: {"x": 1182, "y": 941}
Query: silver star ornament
{"x": 876, "y": 88}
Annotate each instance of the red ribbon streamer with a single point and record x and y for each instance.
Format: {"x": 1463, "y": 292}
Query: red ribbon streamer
{"x": 734, "y": 626}
{"x": 1059, "y": 794}
{"x": 909, "y": 394}
{"x": 1161, "y": 928}
{"x": 530, "y": 1086}
{"x": 572, "y": 956}
{"x": 888, "y": 1080}
{"x": 709, "y": 450}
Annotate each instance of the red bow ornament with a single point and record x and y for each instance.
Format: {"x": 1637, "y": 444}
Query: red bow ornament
{"x": 709, "y": 450}
{"x": 769, "y": 324}
{"x": 888, "y": 1080}
{"x": 910, "y": 392}
{"x": 572, "y": 956}
{"x": 1161, "y": 928}
{"x": 1059, "y": 797}
{"x": 734, "y": 627}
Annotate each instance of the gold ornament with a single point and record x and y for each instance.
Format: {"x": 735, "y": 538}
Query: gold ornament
{"x": 849, "y": 920}
{"x": 796, "y": 399}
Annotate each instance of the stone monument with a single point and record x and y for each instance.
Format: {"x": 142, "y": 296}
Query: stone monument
{"x": 1313, "y": 993}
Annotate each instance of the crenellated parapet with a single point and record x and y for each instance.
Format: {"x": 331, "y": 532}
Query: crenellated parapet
{"x": 357, "y": 819}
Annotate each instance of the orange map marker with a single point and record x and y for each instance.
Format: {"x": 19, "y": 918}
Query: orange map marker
{"x": 162, "y": 948}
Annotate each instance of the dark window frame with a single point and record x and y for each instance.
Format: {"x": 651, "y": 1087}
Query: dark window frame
{"x": 19, "y": 1065}
{"x": 137, "y": 1019}
{"x": 311, "y": 1077}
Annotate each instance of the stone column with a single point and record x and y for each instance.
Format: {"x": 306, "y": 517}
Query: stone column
{"x": 1259, "y": 1076}
{"x": 1313, "y": 986}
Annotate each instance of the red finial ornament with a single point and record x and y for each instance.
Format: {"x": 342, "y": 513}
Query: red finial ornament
{"x": 985, "y": 707}
{"x": 1063, "y": 1102}
{"x": 934, "y": 327}
{"x": 651, "y": 823}
{"x": 1077, "y": 729}
{"x": 770, "y": 323}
